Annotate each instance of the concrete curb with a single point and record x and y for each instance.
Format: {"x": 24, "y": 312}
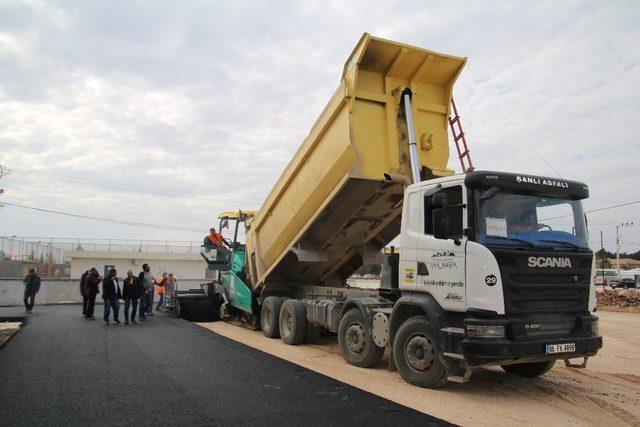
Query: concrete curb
{"x": 23, "y": 323}
{"x": 44, "y": 304}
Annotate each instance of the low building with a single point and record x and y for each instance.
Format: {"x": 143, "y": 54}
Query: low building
{"x": 185, "y": 266}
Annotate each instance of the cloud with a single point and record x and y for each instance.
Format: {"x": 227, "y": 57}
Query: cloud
{"x": 212, "y": 99}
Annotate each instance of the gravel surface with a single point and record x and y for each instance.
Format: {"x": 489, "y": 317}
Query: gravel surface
{"x": 607, "y": 392}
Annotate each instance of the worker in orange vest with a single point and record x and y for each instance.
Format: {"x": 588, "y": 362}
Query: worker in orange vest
{"x": 161, "y": 288}
{"x": 214, "y": 239}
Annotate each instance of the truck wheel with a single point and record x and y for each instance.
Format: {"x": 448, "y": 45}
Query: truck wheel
{"x": 270, "y": 317}
{"x": 529, "y": 370}
{"x": 356, "y": 343}
{"x": 416, "y": 354}
{"x": 293, "y": 322}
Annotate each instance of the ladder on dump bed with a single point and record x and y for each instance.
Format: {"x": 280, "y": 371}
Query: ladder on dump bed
{"x": 460, "y": 140}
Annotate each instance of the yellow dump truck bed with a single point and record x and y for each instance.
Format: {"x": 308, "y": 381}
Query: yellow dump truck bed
{"x": 332, "y": 207}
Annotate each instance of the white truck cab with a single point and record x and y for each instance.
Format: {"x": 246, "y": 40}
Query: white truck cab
{"x": 498, "y": 268}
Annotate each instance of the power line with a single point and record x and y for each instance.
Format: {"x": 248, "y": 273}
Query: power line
{"x": 544, "y": 160}
{"x": 140, "y": 189}
{"x": 611, "y": 207}
{"x": 598, "y": 209}
{"x": 109, "y": 220}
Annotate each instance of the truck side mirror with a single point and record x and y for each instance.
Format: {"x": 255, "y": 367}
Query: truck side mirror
{"x": 439, "y": 215}
{"x": 440, "y": 200}
{"x": 440, "y": 223}
{"x": 488, "y": 194}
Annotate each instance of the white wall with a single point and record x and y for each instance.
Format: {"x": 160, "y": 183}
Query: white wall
{"x": 183, "y": 266}
{"x": 58, "y": 291}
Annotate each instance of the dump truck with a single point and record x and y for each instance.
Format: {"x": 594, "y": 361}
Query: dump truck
{"x": 485, "y": 274}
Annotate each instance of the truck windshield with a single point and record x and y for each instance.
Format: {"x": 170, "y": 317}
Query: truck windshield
{"x": 505, "y": 218}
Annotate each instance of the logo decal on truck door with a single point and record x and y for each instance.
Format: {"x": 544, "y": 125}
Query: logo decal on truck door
{"x": 442, "y": 253}
{"x": 442, "y": 283}
{"x": 452, "y": 296}
{"x": 410, "y": 275}
{"x": 443, "y": 264}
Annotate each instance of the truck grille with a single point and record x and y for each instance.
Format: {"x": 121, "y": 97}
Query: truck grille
{"x": 541, "y": 290}
{"x": 541, "y": 326}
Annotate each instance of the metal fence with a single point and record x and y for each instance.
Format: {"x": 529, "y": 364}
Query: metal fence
{"x": 52, "y": 249}
{"x": 14, "y": 249}
{"x": 48, "y": 255}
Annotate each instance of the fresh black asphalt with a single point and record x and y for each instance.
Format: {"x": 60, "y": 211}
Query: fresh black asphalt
{"x": 63, "y": 370}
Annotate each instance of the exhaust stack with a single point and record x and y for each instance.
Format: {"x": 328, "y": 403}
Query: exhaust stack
{"x": 413, "y": 148}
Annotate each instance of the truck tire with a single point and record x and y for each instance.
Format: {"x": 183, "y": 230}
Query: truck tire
{"x": 356, "y": 342}
{"x": 529, "y": 370}
{"x": 293, "y": 322}
{"x": 270, "y": 317}
{"x": 416, "y": 354}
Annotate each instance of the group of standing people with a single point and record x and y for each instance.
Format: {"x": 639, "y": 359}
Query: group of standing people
{"x": 137, "y": 292}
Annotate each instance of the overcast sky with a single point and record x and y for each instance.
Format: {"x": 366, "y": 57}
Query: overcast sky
{"x": 116, "y": 108}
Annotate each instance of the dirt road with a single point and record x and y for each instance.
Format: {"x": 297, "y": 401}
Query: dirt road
{"x": 606, "y": 392}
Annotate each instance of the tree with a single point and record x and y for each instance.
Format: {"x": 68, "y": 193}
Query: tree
{"x": 603, "y": 263}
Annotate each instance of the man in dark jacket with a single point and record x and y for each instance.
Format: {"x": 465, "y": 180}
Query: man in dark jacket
{"x": 146, "y": 298}
{"x": 91, "y": 286}
{"x": 131, "y": 291}
{"x": 111, "y": 294}
{"x": 83, "y": 293}
{"x": 31, "y": 287}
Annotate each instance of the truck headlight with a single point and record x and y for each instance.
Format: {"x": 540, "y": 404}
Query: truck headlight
{"x": 485, "y": 331}
{"x": 595, "y": 327}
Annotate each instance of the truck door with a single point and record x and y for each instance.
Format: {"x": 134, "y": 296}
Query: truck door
{"x": 440, "y": 248}
{"x": 411, "y": 232}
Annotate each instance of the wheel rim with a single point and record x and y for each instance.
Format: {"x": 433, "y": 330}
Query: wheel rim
{"x": 267, "y": 317}
{"x": 419, "y": 352}
{"x": 286, "y": 325}
{"x": 223, "y": 311}
{"x": 355, "y": 338}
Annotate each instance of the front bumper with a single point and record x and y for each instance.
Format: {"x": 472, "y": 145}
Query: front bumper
{"x": 478, "y": 352}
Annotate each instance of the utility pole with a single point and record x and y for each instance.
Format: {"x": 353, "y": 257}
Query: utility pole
{"x": 3, "y": 171}
{"x": 602, "y": 260}
{"x": 624, "y": 224}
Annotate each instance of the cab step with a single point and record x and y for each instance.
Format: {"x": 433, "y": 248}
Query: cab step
{"x": 451, "y": 330}
{"x": 453, "y": 355}
{"x": 461, "y": 379}
{"x": 569, "y": 364}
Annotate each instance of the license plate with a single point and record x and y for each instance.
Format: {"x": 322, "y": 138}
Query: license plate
{"x": 569, "y": 347}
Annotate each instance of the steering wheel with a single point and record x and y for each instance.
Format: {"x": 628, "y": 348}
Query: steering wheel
{"x": 541, "y": 226}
